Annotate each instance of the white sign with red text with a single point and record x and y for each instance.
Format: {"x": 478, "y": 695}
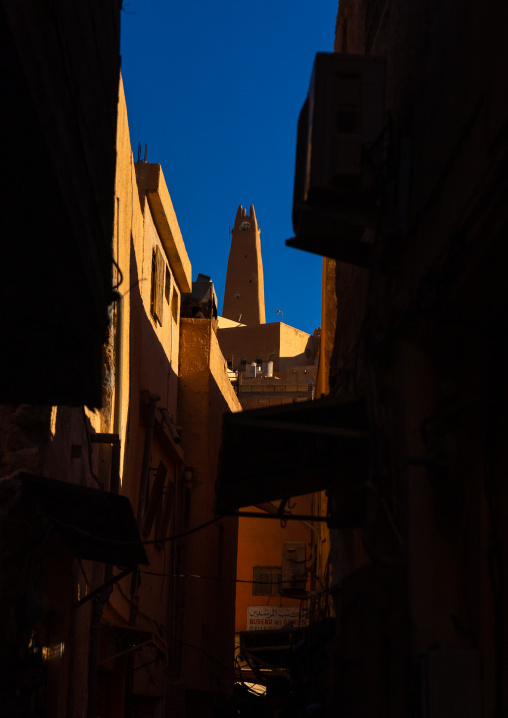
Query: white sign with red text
{"x": 271, "y": 618}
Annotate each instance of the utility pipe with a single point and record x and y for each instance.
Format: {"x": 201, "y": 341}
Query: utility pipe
{"x": 145, "y": 466}
{"x": 100, "y": 600}
{"x": 143, "y": 485}
{"x": 117, "y": 421}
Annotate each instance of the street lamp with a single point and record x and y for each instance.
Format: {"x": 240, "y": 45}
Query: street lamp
{"x": 279, "y": 311}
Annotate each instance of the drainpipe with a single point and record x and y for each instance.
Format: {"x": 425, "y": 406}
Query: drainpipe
{"x": 117, "y": 422}
{"x": 100, "y": 601}
{"x": 145, "y": 467}
{"x": 143, "y": 485}
{"x": 322, "y": 378}
{"x": 114, "y": 487}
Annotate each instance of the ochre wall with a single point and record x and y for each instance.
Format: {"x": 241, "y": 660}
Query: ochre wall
{"x": 285, "y": 387}
{"x": 205, "y": 395}
{"x": 260, "y": 544}
{"x": 284, "y": 345}
{"x": 149, "y": 366}
{"x": 167, "y": 334}
{"x": 328, "y": 323}
{"x": 128, "y": 229}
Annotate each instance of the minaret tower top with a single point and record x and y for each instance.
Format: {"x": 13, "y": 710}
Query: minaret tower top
{"x": 244, "y": 296}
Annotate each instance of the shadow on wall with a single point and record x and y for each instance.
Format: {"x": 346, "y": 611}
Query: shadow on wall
{"x": 149, "y": 371}
{"x": 308, "y": 357}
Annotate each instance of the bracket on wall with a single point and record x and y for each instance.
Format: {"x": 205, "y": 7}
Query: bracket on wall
{"x": 98, "y": 591}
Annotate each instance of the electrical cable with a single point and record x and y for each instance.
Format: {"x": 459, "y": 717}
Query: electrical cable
{"x": 89, "y": 452}
{"x": 120, "y": 279}
{"x": 317, "y": 594}
{"x": 210, "y": 578}
{"x": 112, "y": 542}
{"x": 180, "y": 535}
{"x": 84, "y": 573}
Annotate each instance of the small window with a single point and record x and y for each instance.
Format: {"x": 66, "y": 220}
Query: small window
{"x": 165, "y": 513}
{"x": 266, "y": 580}
{"x": 347, "y": 120}
{"x": 154, "y": 503}
{"x": 167, "y": 286}
{"x": 159, "y": 507}
{"x": 243, "y": 362}
{"x": 174, "y": 305}
{"x": 157, "y": 289}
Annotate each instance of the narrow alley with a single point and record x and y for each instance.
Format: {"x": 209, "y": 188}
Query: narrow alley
{"x": 205, "y": 513}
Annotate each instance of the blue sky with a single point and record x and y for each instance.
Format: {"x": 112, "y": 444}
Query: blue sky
{"x": 215, "y": 89}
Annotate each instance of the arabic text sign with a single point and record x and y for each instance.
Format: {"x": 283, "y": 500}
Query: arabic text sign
{"x": 269, "y": 618}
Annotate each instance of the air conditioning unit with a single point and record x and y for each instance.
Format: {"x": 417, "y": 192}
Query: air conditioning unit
{"x": 338, "y": 156}
{"x": 294, "y": 567}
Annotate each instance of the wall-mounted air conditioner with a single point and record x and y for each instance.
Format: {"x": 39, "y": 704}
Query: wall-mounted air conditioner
{"x": 339, "y": 156}
{"x": 294, "y": 566}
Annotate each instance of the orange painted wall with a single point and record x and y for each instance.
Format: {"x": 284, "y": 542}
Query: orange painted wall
{"x": 284, "y": 345}
{"x": 260, "y": 544}
{"x": 205, "y": 394}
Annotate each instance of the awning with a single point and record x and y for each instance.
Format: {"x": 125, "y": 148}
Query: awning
{"x": 99, "y": 525}
{"x": 290, "y": 450}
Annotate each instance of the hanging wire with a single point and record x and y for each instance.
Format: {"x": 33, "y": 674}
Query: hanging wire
{"x": 120, "y": 279}
{"x": 120, "y": 543}
{"x": 84, "y": 573}
{"x": 210, "y": 578}
{"x": 89, "y": 452}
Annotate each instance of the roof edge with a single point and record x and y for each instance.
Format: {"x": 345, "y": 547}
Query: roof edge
{"x": 151, "y": 182}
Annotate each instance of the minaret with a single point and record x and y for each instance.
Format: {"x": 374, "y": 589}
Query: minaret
{"x": 244, "y": 296}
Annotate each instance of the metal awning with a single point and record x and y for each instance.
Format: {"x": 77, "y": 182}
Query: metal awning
{"x": 98, "y": 525}
{"x": 290, "y": 450}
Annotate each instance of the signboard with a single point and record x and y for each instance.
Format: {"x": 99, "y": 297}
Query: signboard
{"x": 272, "y": 618}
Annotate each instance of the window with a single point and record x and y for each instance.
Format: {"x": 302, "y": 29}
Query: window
{"x": 159, "y": 507}
{"x": 174, "y": 305}
{"x": 165, "y": 512}
{"x": 347, "y": 119}
{"x": 167, "y": 287}
{"x": 157, "y": 289}
{"x": 155, "y": 498}
{"x": 267, "y": 580}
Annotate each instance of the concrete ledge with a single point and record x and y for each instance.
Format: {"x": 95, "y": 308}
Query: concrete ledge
{"x": 152, "y": 183}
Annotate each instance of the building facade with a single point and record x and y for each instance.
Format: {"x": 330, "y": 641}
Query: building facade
{"x": 401, "y": 185}
{"x": 100, "y": 615}
{"x": 56, "y": 262}
{"x": 410, "y": 220}
{"x": 271, "y": 366}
